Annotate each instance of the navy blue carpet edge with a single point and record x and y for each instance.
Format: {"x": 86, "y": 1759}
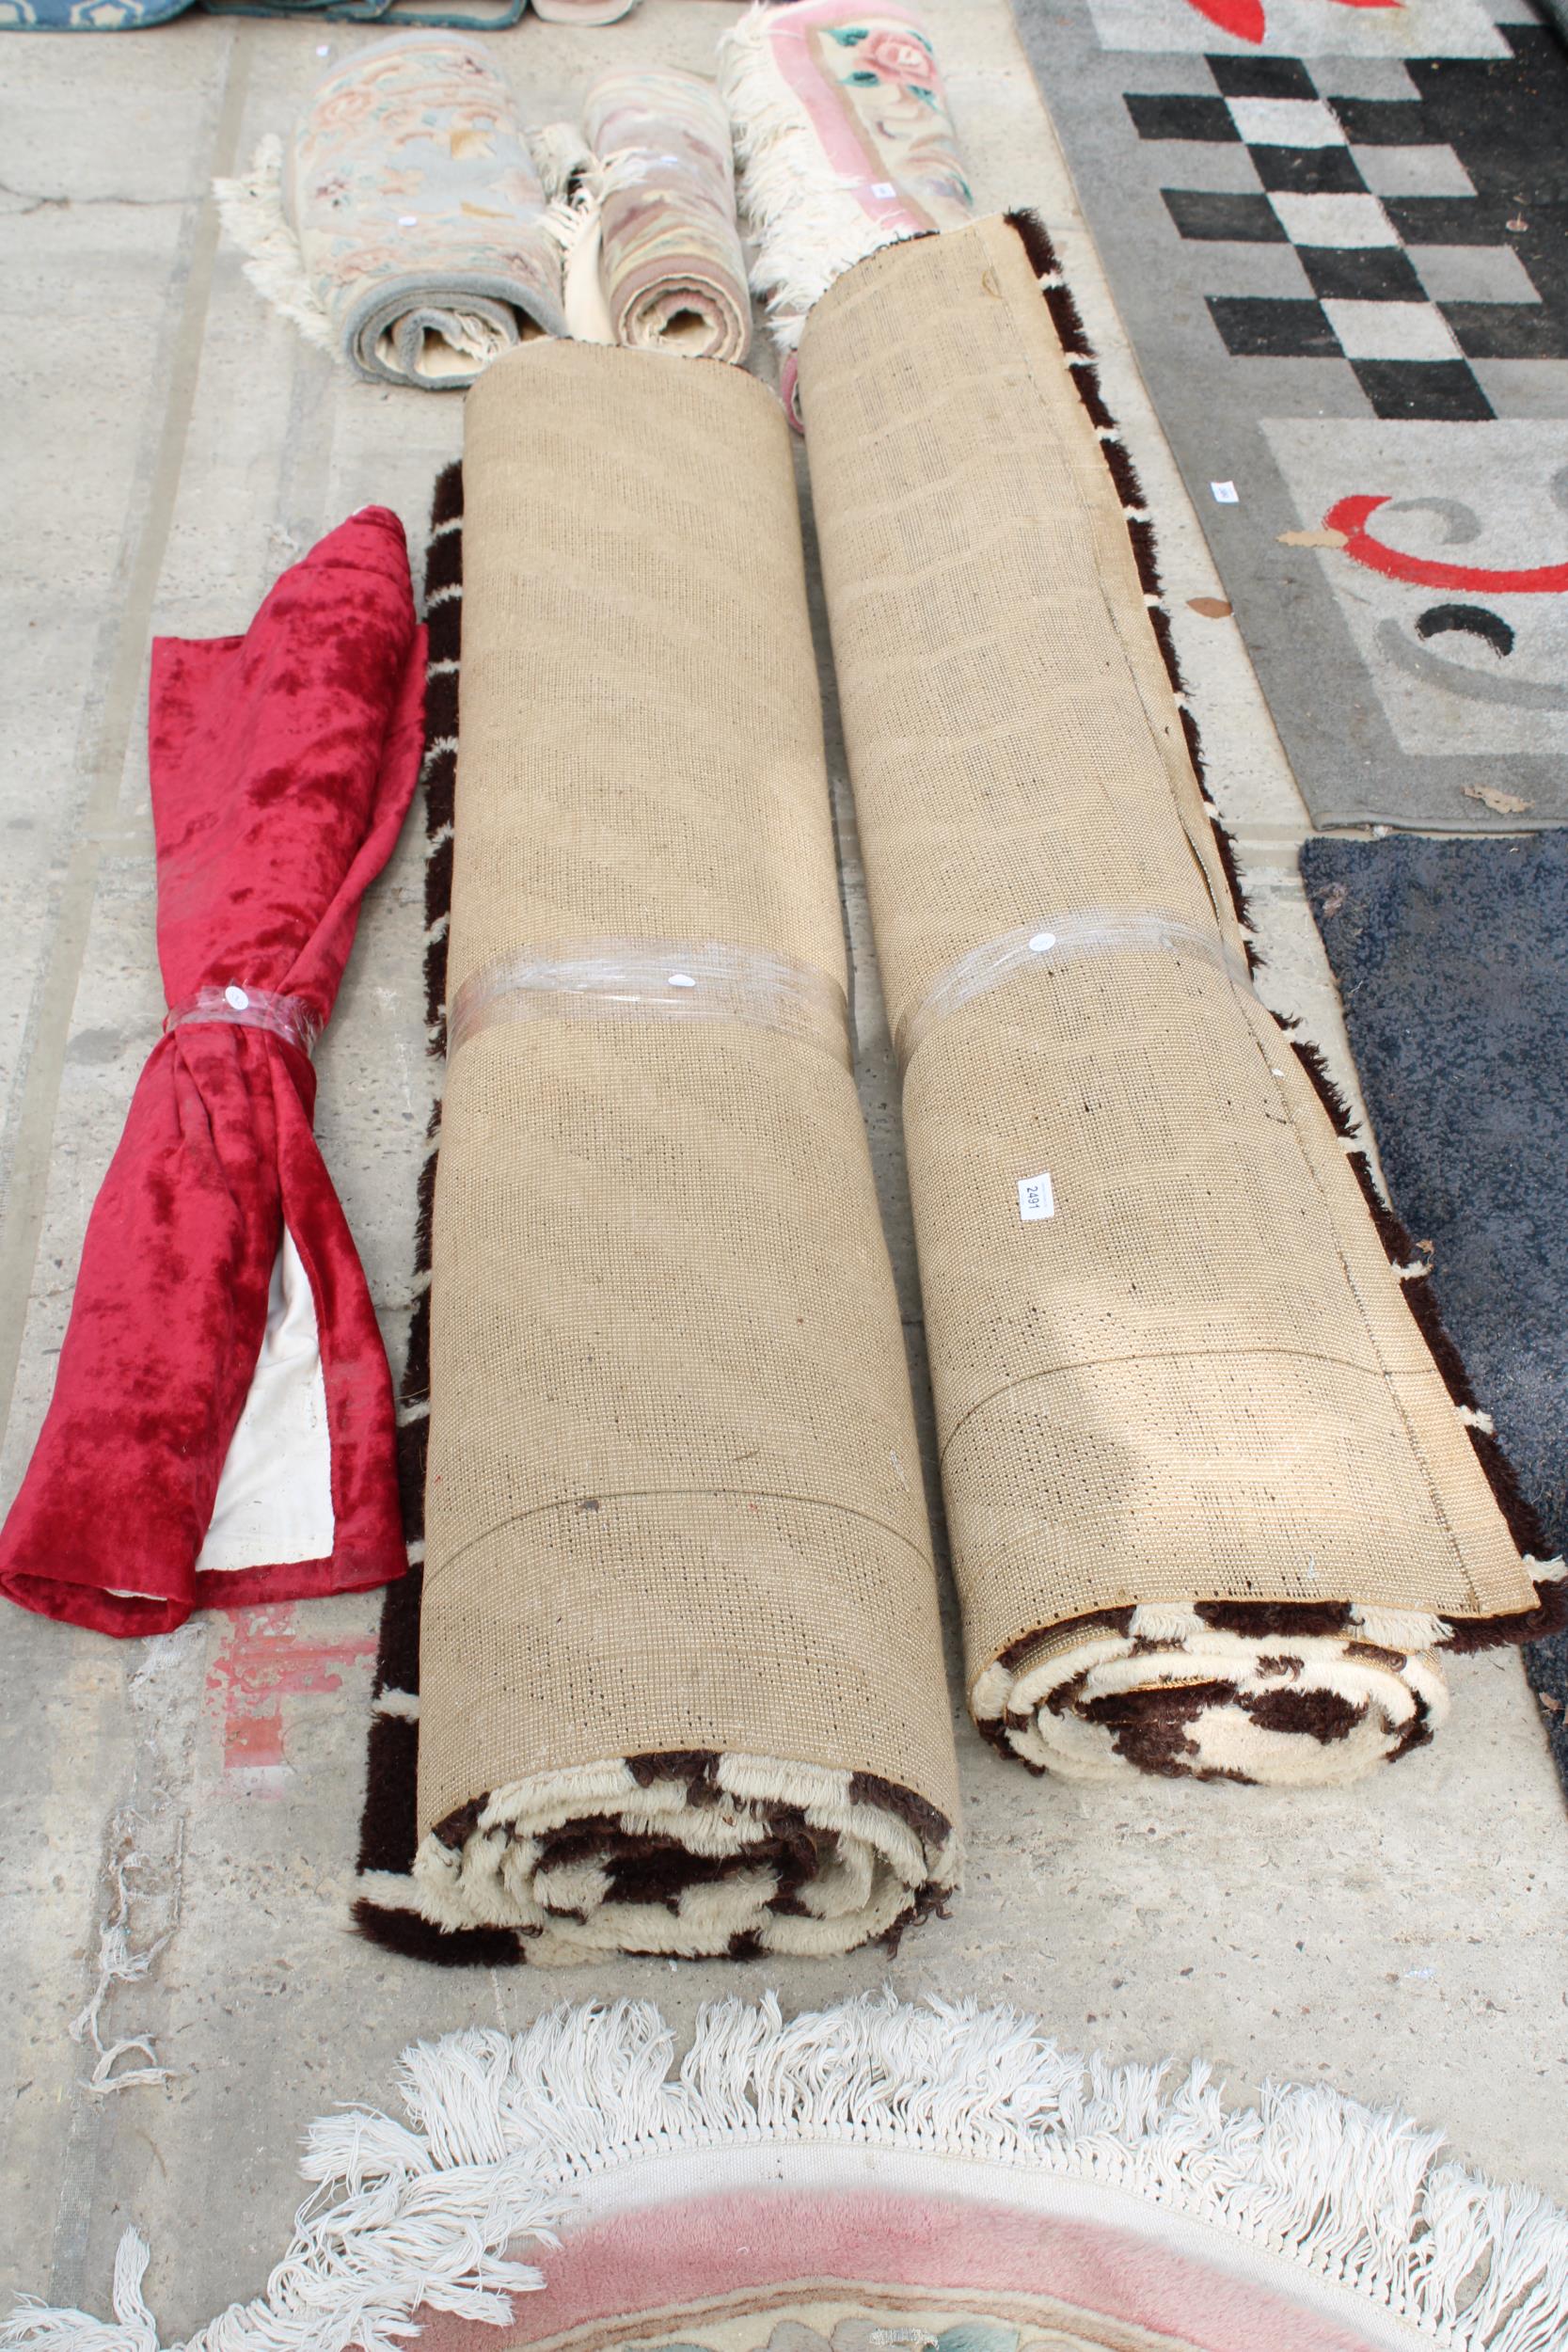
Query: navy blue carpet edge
{"x": 1452, "y": 961}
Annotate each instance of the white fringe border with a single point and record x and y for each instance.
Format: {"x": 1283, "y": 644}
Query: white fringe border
{"x": 504, "y": 2133}
{"x": 251, "y": 210}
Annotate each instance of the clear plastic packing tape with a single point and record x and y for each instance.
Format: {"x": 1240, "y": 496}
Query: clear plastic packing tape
{"x": 1046, "y": 945}
{"x": 654, "y": 979}
{"x": 288, "y": 1017}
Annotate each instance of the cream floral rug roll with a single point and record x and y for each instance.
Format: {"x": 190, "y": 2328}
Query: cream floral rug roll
{"x": 845, "y": 143}
{"x": 681, "y": 1680}
{"x": 672, "y": 275}
{"x": 404, "y": 227}
{"x": 1214, "y": 1509}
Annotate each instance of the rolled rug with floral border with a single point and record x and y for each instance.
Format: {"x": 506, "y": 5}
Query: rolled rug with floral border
{"x": 670, "y": 259}
{"x": 405, "y": 229}
{"x": 844, "y": 142}
{"x": 681, "y": 1686}
{"x": 1219, "y": 1494}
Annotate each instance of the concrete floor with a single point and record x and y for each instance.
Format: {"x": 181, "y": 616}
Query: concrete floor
{"x": 173, "y": 446}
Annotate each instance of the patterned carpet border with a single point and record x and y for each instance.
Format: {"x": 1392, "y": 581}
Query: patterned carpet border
{"x": 383, "y": 1908}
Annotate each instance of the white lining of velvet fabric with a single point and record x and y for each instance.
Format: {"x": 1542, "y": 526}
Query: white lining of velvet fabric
{"x": 274, "y": 1505}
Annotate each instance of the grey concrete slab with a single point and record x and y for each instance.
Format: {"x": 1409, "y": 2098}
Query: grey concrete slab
{"x": 97, "y": 235}
{"x": 1406, "y": 1941}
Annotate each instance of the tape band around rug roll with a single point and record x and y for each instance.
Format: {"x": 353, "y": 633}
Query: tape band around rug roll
{"x": 1038, "y": 947}
{"x": 651, "y": 979}
{"x": 288, "y": 1017}
{"x": 1214, "y": 1502}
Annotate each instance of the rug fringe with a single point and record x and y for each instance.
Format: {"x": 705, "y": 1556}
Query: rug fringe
{"x": 573, "y": 180}
{"x": 502, "y": 2131}
{"x": 251, "y": 210}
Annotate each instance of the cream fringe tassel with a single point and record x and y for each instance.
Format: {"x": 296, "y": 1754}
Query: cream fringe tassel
{"x": 503, "y": 2132}
{"x": 251, "y": 210}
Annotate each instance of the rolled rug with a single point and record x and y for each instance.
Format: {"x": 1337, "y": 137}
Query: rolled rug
{"x": 680, "y": 1681}
{"x": 221, "y": 1430}
{"x": 843, "y": 143}
{"x": 472, "y": 16}
{"x": 1215, "y": 1508}
{"x": 583, "y": 11}
{"x": 405, "y": 228}
{"x": 671, "y": 266}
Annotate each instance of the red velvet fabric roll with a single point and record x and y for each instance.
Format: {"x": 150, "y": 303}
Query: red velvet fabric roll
{"x": 282, "y": 766}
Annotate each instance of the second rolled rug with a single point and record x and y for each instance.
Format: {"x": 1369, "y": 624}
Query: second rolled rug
{"x": 681, "y": 1683}
{"x": 1214, "y": 1509}
{"x": 666, "y": 244}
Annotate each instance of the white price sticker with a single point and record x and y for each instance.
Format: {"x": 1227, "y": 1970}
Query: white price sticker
{"x": 1035, "y": 1199}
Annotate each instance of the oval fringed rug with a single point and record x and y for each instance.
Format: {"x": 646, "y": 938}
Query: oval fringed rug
{"x": 870, "y": 2178}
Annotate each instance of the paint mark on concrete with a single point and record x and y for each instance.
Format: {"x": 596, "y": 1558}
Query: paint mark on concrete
{"x": 262, "y": 1662}
{"x": 1351, "y": 515}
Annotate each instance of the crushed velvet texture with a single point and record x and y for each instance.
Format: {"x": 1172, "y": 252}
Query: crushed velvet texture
{"x": 282, "y": 766}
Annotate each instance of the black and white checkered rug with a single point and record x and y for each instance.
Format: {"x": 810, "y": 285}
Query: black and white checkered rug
{"x": 1337, "y": 234}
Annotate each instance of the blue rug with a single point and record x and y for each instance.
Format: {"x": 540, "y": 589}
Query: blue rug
{"x": 128, "y": 16}
{"x": 1452, "y": 961}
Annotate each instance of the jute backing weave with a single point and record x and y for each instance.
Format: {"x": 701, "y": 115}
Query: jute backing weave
{"x": 682, "y": 1683}
{"x": 1197, "y": 1381}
